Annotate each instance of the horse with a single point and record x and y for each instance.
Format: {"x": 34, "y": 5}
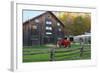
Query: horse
{"x": 63, "y": 42}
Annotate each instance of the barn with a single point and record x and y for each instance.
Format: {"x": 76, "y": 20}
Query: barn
{"x": 43, "y": 29}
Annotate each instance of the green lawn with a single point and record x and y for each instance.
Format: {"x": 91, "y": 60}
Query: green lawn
{"x": 42, "y": 53}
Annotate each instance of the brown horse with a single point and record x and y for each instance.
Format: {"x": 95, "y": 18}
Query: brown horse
{"x": 63, "y": 42}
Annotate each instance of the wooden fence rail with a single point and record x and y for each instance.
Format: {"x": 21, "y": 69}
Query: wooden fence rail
{"x": 53, "y": 52}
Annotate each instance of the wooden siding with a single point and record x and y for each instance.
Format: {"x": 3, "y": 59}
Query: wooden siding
{"x": 38, "y": 35}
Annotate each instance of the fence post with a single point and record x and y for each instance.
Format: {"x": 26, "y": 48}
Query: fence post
{"x": 52, "y": 54}
{"x": 81, "y": 51}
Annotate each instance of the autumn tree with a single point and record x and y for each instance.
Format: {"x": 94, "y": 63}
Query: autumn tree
{"x": 75, "y": 23}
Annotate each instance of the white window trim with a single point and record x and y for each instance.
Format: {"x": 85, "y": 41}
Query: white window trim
{"x": 48, "y": 33}
{"x": 59, "y": 29}
{"x": 36, "y": 20}
{"x": 58, "y": 24}
{"x": 48, "y": 28}
{"x": 34, "y": 27}
{"x": 48, "y": 22}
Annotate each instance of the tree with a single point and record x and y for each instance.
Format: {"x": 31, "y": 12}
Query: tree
{"x": 75, "y": 23}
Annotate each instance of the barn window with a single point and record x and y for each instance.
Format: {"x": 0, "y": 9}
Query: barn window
{"x": 48, "y": 28}
{"x": 48, "y": 33}
{"x": 34, "y": 27}
{"x": 48, "y": 16}
{"x": 58, "y": 24}
{"x": 48, "y": 22}
{"x": 36, "y": 20}
{"x": 59, "y": 29}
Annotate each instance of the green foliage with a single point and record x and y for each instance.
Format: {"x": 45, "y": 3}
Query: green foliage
{"x": 76, "y": 24}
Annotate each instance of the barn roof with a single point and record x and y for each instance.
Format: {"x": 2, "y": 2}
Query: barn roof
{"x": 44, "y": 14}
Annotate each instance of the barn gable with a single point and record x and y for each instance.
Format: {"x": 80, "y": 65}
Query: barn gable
{"x": 47, "y": 12}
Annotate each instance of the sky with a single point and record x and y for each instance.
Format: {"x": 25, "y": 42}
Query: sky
{"x": 28, "y": 14}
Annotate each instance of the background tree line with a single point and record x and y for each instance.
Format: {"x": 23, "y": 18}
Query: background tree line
{"x": 75, "y": 23}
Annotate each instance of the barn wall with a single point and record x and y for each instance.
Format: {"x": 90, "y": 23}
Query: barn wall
{"x": 27, "y": 34}
{"x": 28, "y": 31}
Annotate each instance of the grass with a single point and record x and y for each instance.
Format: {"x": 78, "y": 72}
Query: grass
{"x": 34, "y": 58}
{"x": 42, "y": 53}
